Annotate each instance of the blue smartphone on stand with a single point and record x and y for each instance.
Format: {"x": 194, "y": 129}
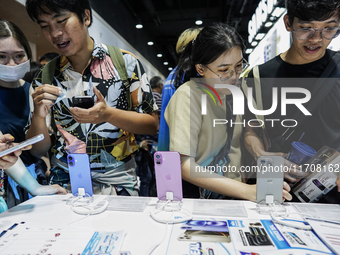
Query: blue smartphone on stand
{"x": 80, "y": 173}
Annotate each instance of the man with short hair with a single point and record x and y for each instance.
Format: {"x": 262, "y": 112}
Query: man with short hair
{"x": 156, "y": 83}
{"x": 313, "y": 24}
{"x": 85, "y": 68}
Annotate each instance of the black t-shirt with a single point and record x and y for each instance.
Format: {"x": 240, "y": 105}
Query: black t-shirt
{"x": 323, "y": 127}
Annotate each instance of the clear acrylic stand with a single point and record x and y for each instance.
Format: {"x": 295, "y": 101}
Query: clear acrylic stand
{"x": 265, "y": 208}
{"x": 172, "y": 206}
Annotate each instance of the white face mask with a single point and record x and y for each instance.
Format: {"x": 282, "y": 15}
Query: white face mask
{"x": 14, "y": 73}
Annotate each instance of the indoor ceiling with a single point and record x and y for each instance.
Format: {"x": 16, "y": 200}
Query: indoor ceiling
{"x": 164, "y": 20}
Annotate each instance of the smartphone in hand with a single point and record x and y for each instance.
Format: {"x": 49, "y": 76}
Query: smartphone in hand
{"x": 23, "y": 144}
{"x": 168, "y": 174}
{"x": 85, "y": 102}
{"x": 80, "y": 173}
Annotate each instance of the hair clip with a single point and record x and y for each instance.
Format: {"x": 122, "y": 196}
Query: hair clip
{"x": 193, "y": 42}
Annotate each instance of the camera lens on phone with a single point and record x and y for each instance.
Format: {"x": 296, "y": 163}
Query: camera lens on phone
{"x": 71, "y": 163}
{"x": 70, "y": 158}
{"x": 158, "y": 156}
{"x": 158, "y": 162}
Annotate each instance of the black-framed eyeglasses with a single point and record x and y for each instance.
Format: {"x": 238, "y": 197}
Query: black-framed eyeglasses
{"x": 228, "y": 74}
{"x": 327, "y": 33}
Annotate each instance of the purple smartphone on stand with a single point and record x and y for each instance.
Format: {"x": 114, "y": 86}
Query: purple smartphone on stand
{"x": 168, "y": 174}
{"x": 80, "y": 173}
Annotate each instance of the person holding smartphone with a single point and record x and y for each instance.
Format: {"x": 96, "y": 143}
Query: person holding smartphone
{"x": 208, "y": 151}
{"x": 85, "y": 68}
{"x": 14, "y": 167}
{"x": 10, "y": 159}
{"x": 15, "y": 105}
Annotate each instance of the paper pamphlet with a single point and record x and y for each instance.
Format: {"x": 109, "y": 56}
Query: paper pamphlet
{"x": 265, "y": 237}
{"x": 329, "y": 233}
{"x": 129, "y": 204}
{"x": 24, "y": 239}
{"x": 225, "y": 208}
{"x": 320, "y": 211}
{"x": 242, "y": 237}
{"x": 104, "y": 243}
{"x": 322, "y": 169}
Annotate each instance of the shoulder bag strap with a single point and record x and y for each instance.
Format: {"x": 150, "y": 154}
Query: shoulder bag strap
{"x": 119, "y": 63}
{"x": 318, "y": 93}
{"x": 47, "y": 77}
{"x": 258, "y": 103}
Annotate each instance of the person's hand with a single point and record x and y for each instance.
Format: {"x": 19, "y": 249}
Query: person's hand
{"x": 44, "y": 97}
{"x": 59, "y": 189}
{"x": 338, "y": 182}
{"x": 293, "y": 172}
{"x": 286, "y": 195}
{"x": 44, "y": 190}
{"x": 144, "y": 145}
{"x": 10, "y": 159}
{"x": 95, "y": 114}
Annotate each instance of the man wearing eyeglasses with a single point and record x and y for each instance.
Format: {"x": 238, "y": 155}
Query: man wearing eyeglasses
{"x": 313, "y": 24}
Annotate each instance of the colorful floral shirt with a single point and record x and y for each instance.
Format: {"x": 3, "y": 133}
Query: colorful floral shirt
{"x": 107, "y": 145}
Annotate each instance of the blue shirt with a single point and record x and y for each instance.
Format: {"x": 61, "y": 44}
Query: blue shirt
{"x": 168, "y": 90}
{"x": 15, "y": 110}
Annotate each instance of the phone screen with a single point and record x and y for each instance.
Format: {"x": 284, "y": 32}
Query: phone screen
{"x": 85, "y": 102}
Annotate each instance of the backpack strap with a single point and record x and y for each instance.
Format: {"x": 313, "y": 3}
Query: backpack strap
{"x": 119, "y": 63}
{"x": 47, "y": 77}
{"x": 318, "y": 92}
{"x": 48, "y": 71}
{"x": 258, "y": 103}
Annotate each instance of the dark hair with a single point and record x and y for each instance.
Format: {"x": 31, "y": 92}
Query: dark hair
{"x": 155, "y": 81}
{"x": 208, "y": 46}
{"x": 9, "y": 29}
{"x": 312, "y": 10}
{"x": 49, "y": 56}
{"x": 37, "y": 7}
{"x": 34, "y": 68}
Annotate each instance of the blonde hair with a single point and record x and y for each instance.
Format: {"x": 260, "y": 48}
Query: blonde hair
{"x": 187, "y": 36}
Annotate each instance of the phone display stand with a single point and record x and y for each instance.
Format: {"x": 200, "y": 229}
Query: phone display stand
{"x": 270, "y": 206}
{"x": 173, "y": 206}
{"x": 81, "y": 198}
{"x": 168, "y": 208}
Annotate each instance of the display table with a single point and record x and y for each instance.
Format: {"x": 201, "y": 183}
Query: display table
{"x": 142, "y": 232}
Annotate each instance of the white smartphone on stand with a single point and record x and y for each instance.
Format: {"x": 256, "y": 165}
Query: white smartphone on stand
{"x": 269, "y": 178}
{"x": 23, "y": 144}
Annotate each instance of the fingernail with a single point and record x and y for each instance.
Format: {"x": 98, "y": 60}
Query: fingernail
{"x": 60, "y": 91}
{"x": 12, "y": 137}
{"x": 4, "y": 157}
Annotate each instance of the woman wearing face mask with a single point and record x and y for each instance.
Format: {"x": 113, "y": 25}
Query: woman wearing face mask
{"x": 210, "y": 152}
{"x": 15, "y": 55}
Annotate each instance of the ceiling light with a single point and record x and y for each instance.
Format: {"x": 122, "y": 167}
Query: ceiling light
{"x": 150, "y": 43}
{"x": 139, "y": 25}
{"x": 170, "y": 68}
{"x": 259, "y": 36}
{"x": 159, "y": 55}
{"x": 165, "y": 63}
{"x": 198, "y": 22}
{"x": 248, "y": 51}
{"x": 254, "y": 43}
{"x": 278, "y": 11}
{"x": 268, "y": 24}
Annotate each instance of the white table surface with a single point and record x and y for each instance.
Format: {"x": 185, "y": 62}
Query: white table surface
{"x": 143, "y": 233}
